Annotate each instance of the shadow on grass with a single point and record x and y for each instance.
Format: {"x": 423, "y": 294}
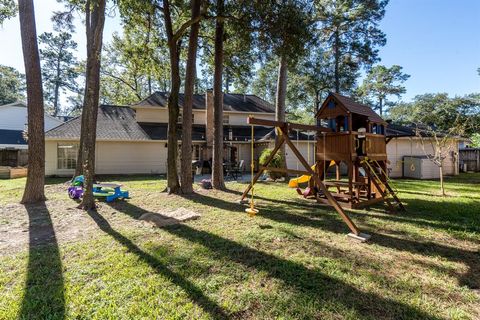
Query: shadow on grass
{"x": 193, "y": 291}
{"x": 449, "y": 215}
{"x": 311, "y": 283}
{"x": 44, "y": 289}
{"x": 471, "y": 259}
{"x": 311, "y": 215}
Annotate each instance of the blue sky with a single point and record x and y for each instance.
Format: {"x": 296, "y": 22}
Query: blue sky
{"x": 436, "y": 41}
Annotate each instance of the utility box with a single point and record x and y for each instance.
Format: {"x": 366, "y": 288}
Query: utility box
{"x": 420, "y": 167}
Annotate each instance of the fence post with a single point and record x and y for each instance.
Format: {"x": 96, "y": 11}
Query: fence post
{"x": 477, "y": 169}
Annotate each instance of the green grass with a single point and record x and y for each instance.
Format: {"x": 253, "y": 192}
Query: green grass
{"x": 292, "y": 261}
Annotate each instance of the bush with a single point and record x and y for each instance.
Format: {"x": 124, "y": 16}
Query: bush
{"x": 277, "y": 162}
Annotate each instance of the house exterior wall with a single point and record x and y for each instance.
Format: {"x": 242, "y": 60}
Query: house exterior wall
{"x": 15, "y": 118}
{"x": 160, "y": 115}
{"x": 244, "y": 153}
{"x": 51, "y": 158}
{"x": 302, "y": 146}
{"x": 155, "y": 115}
{"x": 131, "y": 157}
{"x": 240, "y": 119}
{"x": 112, "y": 157}
{"x": 397, "y": 148}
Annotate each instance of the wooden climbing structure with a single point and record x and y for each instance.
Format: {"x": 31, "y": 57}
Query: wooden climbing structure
{"x": 351, "y": 135}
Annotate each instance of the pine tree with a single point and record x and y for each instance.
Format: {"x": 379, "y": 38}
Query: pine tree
{"x": 382, "y": 82}
{"x": 94, "y": 21}
{"x": 217, "y": 161}
{"x": 349, "y": 30}
{"x": 190, "y": 76}
{"x": 59, "y": 66}
{"x": 12, "y": 85}
{"x": 34, "y": 188}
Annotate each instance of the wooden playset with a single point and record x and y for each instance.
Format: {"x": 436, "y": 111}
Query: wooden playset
{"x": 348, "y": 135}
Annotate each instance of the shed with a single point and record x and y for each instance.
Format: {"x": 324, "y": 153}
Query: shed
{"x": 420, "y": 167}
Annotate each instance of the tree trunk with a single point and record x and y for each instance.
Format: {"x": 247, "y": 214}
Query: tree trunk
{"x": 281, "y": 96}
{"x": 380, "y": 105}
{"x": 317, "y": 101}
{"x": 95, "y": 20}
{"x": 79, "y": 165}
{"x": 190, "y": 75}
{"x": 149, "y": 84}
{"x": 217, "y": 162}
{"x": 337, "y": 62}
{"x": 57, "y": 90}
{"x": 442, "y": 187}
{"x": 227, "y": 81}
{"x": 34, "y": 188}
{"x": 173, "y": 185}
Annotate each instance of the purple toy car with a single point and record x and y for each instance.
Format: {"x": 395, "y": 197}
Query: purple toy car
{"x": 75, "y": 192}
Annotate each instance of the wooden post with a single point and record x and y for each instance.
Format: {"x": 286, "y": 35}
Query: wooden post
{"x": 350, "y": 181}
{"x": 478, "y": 160}
{"x": 331, "y": 199}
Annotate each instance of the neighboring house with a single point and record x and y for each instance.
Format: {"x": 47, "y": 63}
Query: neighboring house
{"x": 13, "y": 122}
{"x": 405, "y": 152}
{"x": 133, "y": 140}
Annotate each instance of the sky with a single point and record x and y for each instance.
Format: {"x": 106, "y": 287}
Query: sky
{"x": 437, "y": 42}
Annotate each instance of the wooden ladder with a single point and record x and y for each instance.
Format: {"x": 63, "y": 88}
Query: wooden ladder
{"x": 383, "y": 187}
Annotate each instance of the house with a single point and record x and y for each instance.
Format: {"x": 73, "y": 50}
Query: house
{"x": 405, "y": 151}
{"x": 13, "y": 122}
{"x": 133, "y": 139}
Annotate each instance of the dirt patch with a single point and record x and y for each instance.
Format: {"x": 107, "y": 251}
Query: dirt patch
{"x": 168, "y": 218}
{"x": 46, "y": 223}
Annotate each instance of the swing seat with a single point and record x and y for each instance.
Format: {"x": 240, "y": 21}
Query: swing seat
{"x": 308, "y": 192}
{"x": 251, "y": 211}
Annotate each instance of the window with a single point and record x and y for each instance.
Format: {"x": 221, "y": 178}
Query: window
{"x": 67, "y": 156}
{"x": 226, "y": 119}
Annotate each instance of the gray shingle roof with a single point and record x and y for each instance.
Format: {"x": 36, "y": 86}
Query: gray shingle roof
{"x": 231, "y": 102}
{"x": 397, "y": 130}
{"x": 119, "y": 123}
{"x": 113, "y": 123}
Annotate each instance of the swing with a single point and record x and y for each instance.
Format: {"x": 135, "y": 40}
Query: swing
{"x": 252, "y": 211}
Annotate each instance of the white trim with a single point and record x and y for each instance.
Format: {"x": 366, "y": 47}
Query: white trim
{"x": 14, "y": 146}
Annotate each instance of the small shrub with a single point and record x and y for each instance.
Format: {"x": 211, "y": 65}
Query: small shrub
{"x": 277, "y": 162}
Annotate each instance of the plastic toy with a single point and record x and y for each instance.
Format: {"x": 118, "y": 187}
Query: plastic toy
{"x": 109, "y": 191}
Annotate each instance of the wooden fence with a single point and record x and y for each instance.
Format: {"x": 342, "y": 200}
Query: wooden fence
{"x": 470, "y": 157}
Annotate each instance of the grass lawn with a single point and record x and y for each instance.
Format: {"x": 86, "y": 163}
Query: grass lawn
{"x": 292, "y": 261}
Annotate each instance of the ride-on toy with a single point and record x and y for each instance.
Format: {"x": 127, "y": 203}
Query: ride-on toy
{"x": 109, "y": 191}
